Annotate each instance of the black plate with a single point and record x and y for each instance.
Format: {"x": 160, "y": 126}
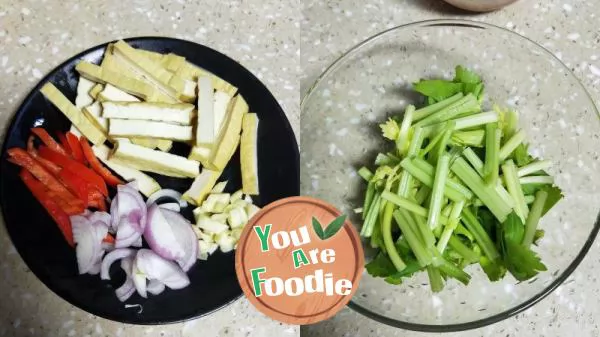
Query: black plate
{"x": 213, "y": 282}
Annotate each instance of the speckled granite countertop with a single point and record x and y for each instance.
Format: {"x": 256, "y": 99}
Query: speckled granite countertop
{"x": 568, "y": 29}
{"x": 36, "y": 36}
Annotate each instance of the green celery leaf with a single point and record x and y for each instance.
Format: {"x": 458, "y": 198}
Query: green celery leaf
{"x": 521, "y": 262}
{"x": 531, "y": 189}
{"x": 438, "y": 89}
{"x": 412, "y": 266}
{"x": 539, "y": 234}
{"x": 521, "y": 156}
{"x": 464, "y": 75}
{"x": 488, "y": 221}
{"x": 381, "y": 266}
{"x": 513, "y": 228}
{"x": 554, "y": 196}
{"x": 494, "y": 270}
{"x": 390, "y": 129}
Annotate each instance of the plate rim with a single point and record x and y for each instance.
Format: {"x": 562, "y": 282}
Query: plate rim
{"x": 18, "y": 114}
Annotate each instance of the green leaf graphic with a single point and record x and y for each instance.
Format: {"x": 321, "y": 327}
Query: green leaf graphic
{"x": 318, "y": 229}
{"x": 334, "y": 226}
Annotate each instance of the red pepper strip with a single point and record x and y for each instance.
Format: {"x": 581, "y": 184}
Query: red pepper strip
{"x": 49, "y": 141}
{"x": 75, "y": 147}
{"x": 65, "y": 144}
{"x": 76, "y": 167}
{"x": 109, "y": 239}
{"x": 39, "y": 191}
{"x": 22, "y": 158}
{"x": 96, "y": 199}
{"x": 74, "y": 183}
{"x": 50, "y": 166}
{"x": 96, "y": 165}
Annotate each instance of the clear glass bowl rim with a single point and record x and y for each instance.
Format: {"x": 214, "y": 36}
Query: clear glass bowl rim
{"x": 539, "y": 296}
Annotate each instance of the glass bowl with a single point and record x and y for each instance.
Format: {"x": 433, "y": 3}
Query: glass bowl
{"x": 340, "y": 133}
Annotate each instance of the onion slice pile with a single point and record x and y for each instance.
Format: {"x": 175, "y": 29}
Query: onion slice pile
{"x": 170, "y": 236}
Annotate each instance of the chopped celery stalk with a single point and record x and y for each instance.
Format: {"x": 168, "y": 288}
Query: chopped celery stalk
{"x": 428, "y": 179}
{"x": 464, "y": 251}
{"x": 529, "y": 199}
{"x": 511, "y": 144}
{"x": 386, "y": 231}
{"x": 475, "y": 120}
{"x": 437, "y": 191}
{"x": 492, "y": 146}
{"x": 404, "y": 184}
{"x": 435, "y": 279}
{"x": 369, "y": 195}
{"x": 365, "y": 173}
{"x": 430, "y": 109}
{"x": 383, "y": 159}
{"x": 474, "y": 160}
{"x": 423, "y": 171}
{"x": 481, "y": 237}
{"x": 468, "y": 138}
{"x": 536, "y": 180}
{"x": 421, "y": 253}
{"x": 453, "y": 220}
{"x": 408, "y": 205}
{"x": 424, "y": 230}
{"x": 416, "y": 143}
{"x": 511, "y": 119}
{"x": 514, "y": 188}
{"x": 402, "y": 141}
{"x": 371, "y": 217}
{"x": 464, "y": 105}
{"x": 422, "y": 194}
{"x": 533, "y": 167}
{"x": 534, "y": 217}
{"x": 503, "y": 193}
{"x": 438, "y": 138}
{"x": 358, "y": 210}
{"x": 440, "y": 147}
{"x": 450, "y": 269}
{"x": 488, "y": 194}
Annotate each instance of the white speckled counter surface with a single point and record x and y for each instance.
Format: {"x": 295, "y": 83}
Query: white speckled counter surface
{"x": 37, "y": 35}
{"x": 568, "y": 28}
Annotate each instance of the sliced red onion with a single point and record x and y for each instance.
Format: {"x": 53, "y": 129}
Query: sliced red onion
{"x": 110, "y": 258}
{"x": 128, "y": 216}
{"x": 108, "y": 246}
{"x": 128, "y": 288}
{"x": 97, "y": 265}
{"x": 182, "y": 229}
{"x": 88, "y": 237}
{"x": 138, "y": 243}
{"x": 155, "y": 287}
{"x": 171, "y": 206}
{"x": 139, "y": 277}
{"x": 160, "y": 236}
{"x": 166, "y": 193}
{"x": 154, "y": 267}
{"x": 101, "y": 217}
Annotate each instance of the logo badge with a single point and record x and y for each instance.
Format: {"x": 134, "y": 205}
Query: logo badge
{"x": 299, "y": 260}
